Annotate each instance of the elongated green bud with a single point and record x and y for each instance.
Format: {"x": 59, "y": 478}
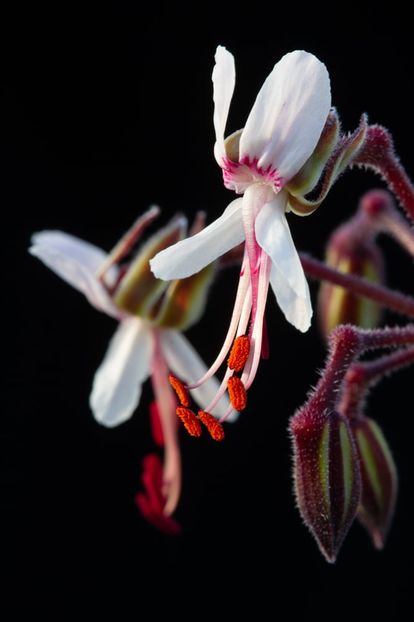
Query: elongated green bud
{"x": 379, "y": 480}
{"x": 326, "y": 475}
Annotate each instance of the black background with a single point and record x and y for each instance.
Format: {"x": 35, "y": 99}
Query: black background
{"x": 103, "y": 114}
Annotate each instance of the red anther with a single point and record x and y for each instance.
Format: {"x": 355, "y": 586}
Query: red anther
{"x": 190, "y": 421}
{"x": 213, "y": 426}
{"x": 180, "y": 389}
{"x": 237, "y": 393}
{"x": 239, "y": 353}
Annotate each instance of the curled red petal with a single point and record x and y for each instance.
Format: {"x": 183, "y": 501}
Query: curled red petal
{"x": 151, "y": 501}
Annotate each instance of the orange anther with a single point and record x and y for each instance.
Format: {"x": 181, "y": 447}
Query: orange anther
{"x": 237, "y": 393}
{"x": 213, "y": 426}
{"x": 239, "y": 353}
{"x": 190, "y": 421}
{"x": 180, "y": 389}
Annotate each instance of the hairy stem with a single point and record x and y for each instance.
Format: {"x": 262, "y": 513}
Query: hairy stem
{"x": 393, "y": 300}
{"x": 378, "y": 154}
{"x": 363, "y": 375}
{"x": 379, "y": 207}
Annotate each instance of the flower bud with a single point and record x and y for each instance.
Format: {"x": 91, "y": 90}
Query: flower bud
{"x": 326, "y": 475}
{"x": 378, "y": 478}
{"x": 353, "y": 251}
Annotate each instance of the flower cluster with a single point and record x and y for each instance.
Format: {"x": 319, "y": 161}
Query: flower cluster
{"x": 283, "y": 161}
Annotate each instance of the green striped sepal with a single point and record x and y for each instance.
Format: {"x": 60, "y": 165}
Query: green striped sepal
{"x": 333, "y": 154}
{"x": 327, "y": 477}
{"x": 139, "y": 291}
{"x": 379, "y": 480}
{"x": 169, "y": 304}
{"x": 184, "y": 300}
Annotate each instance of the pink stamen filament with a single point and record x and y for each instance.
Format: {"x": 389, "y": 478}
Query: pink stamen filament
{"x": 226, "y": 414}
{"x": 250, "y": 301}
{"x": 256, "y": 329}
{"x": 244, "y": 320}
{"x": 256, "y": 332}
{"x": 242, "y": 293}
{"x": 222, "y": 390}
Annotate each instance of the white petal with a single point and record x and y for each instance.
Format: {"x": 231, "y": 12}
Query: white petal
{"x": 224, "y": 78}
{"x": 76, "y": 262}
{"x": 117, "y": 384}
{"x": 184, "y": 361}
{"x": 286, "y": 277}
{"x": 191, "y": 255}
{"x": 85, "y": 253}
{"x": 288, "y": 115}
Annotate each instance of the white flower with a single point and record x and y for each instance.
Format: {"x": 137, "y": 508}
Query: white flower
{"x": 141, "y": 347}
{"x": 280, "y": 135}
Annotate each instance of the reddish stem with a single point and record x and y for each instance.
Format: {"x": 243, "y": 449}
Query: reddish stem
{"x": 378, "y": 154}
{"x": 344, "y": 347}
{"x": 380, "y": 208}
{"x": 385, "y": 365}
{"x": 346, "y": 343}
{"x": 386, "y": 337}
{"x": 362, "y": 376}
{"x": 391, "y": 299}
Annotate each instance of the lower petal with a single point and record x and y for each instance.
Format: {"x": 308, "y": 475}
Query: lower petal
{"x": 184, "y": 361}
{"x": 117, "y": 384}
{"x": 191, "y": 255}
{"x": 287, "y": 278}
{"x": 297, "y": 309}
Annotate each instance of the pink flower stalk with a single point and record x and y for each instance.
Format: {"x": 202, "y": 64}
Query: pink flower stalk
{"x": 151, "y": 501}
{"x": 281, "y": 133}
{"x": 147, "y": 343}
